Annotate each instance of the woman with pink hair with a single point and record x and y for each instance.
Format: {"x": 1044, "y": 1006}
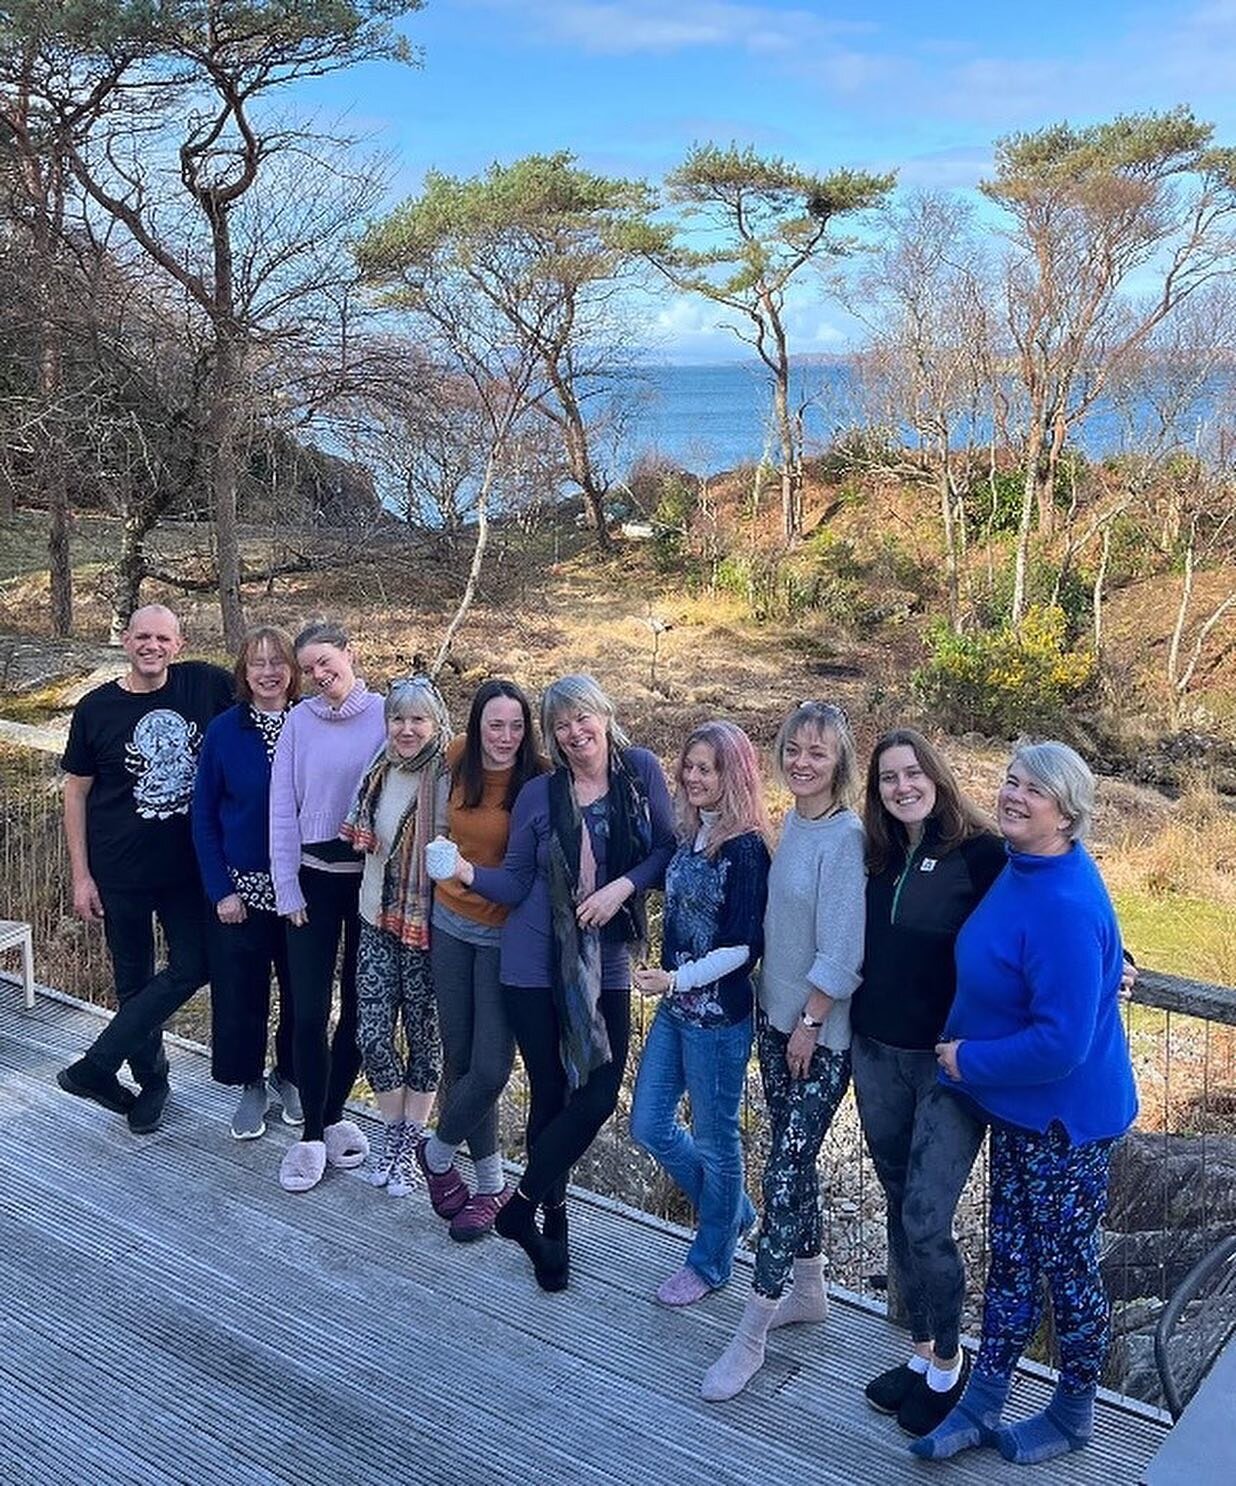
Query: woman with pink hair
{"x": 700, "y": 1039}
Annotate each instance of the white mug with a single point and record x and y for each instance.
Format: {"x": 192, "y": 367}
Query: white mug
{"x": 441, "y": 858}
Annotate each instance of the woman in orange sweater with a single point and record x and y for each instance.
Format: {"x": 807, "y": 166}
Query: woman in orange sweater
{"x": 489, "y": 766}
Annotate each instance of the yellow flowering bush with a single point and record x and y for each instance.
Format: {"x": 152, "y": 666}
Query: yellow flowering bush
{"x": 1007, "y": 680}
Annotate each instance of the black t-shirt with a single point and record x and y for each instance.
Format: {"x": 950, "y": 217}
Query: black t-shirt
{"x": 141, "y": 748}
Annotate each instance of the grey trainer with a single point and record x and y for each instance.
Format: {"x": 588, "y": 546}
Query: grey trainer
{"x": 286, "y": 1095}
{"x": 249, "y": 1121}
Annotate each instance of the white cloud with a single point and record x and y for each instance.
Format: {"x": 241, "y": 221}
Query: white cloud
{"x": 625, "y": 27}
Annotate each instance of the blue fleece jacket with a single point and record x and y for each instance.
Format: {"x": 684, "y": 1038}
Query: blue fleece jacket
{"x": 231, "y": 802}
{"x": 1037, "y": 1005}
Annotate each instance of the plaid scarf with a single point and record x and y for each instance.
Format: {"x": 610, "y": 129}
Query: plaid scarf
{"x": 406, "y": 886}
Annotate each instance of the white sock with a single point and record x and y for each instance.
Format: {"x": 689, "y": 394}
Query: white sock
{"x": 941, "y": 1379}
{"x": 918, "y": 1364}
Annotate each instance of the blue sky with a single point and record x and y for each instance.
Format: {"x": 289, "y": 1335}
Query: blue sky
{"x": 628, "y": 85}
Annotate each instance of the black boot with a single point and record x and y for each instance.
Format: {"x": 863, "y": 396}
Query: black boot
{"x": 555, "y": 1271}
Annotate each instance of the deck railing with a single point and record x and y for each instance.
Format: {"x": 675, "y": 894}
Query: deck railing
{"x": 1174, "y": 1185}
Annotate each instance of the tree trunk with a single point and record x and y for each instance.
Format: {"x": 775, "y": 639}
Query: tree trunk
{"x": 951, "y": 574}
{"x": 1100, "y": 578}
{"x": 222, "y": 424}
{"x": 579, "y": 459}
{"x": 791, "y": 516}
{"x": 1030, "y": 489}
{"x": 478, "y": 558}
{"x": 130, "y": 571}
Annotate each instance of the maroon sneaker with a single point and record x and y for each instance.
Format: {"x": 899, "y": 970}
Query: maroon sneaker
{"x": 476, "y": 1217}
{"x": 447, "y": 1189}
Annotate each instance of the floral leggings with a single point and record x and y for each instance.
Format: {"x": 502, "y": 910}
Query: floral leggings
{"x": 1048, "y": 1198}
{"x": 394, "y": 983}
{"x": 800, "y": 1111}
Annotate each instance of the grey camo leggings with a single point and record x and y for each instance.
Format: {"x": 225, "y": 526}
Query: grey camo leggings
{"x": 800, "y": 1111}
{"x": 394, "y": 984}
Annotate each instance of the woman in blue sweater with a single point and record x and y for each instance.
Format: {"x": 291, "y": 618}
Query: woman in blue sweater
{"x": 699, "y": 1044}
{"x": 231, "y": 804}
{"x": 1035, "y": 1042}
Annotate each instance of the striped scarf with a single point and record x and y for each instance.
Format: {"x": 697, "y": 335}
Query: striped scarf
{"x": 406, "y": 886}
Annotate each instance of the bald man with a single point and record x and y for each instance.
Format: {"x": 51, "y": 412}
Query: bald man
{"x": 129, "y": 767}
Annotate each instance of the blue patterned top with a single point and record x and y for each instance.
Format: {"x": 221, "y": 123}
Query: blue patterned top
{"x": 715, "y": 903}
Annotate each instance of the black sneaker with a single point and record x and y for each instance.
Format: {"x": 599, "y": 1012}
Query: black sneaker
{"x": 890, "y": 1390}
{"x": 924, "y": 1409}
{"x": 146, "y": 1115}
{"x": 86, "y": 1081}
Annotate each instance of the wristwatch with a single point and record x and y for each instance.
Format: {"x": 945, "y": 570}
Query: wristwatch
{"x": 814, "y": 1022}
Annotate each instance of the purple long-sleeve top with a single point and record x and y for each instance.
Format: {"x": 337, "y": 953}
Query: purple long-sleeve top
{"x": 522, "y": 882}
{"x": 322, "y": 753}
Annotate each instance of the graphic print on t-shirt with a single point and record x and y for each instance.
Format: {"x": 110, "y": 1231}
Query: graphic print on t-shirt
{"x": 162, "y": 755}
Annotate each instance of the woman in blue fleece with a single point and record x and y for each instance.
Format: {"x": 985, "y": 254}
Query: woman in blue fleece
{"x": 1035, "y": 1041}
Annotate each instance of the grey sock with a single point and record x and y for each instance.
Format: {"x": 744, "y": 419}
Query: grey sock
{"x": 439, "y": 1156}
{"x": 489, "y": 1178}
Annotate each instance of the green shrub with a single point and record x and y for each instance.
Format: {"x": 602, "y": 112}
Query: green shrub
{"x": 677, "y": 499}
{"x": 1007, "y": 680}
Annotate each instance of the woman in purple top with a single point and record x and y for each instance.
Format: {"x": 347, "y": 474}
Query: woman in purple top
{"x": 586, "y": 843}
{"x": 326, "y": 745}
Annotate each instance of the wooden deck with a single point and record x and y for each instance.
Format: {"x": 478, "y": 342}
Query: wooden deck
{"x": 170, "y": 1315}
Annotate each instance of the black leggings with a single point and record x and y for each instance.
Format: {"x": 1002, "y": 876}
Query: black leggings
{"x": 325, "y": 1074}
{"x": 562, "y": 1125}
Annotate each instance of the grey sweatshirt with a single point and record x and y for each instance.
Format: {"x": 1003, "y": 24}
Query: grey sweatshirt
{"x": 813, "y": 926}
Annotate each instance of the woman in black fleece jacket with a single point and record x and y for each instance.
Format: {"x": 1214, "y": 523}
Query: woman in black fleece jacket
{"x": 931, "y": 855}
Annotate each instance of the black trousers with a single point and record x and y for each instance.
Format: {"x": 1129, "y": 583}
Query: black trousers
{"x": 561, "y": 1124}
{"x": 242, "y": 958}
{"x": 147, "y": 999}
{"x": 325, "y": 1070}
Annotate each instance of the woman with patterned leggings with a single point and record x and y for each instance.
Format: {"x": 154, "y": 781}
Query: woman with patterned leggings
{"x": 400, "y": 806}
{"x": 1034, "y": 1041}
{"x": 813, "y": 952}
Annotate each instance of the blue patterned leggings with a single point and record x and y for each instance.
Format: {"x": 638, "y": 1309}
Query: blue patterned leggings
{"x": 800, "y": 1111}
{"x": 1048, "y": 1198}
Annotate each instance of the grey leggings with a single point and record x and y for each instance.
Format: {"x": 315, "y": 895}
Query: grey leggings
{"x": 476, "y": 1040}
{"x": 393, "y": 984}
{"x": 923, "y": 1141}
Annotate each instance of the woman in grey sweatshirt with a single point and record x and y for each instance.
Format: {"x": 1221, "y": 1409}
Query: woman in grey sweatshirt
{"x": 813, "y": 954}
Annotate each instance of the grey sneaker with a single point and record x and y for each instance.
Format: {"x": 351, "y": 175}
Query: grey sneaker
{"x": 284, "y": 1093}
{"x": 249, "y": 1121}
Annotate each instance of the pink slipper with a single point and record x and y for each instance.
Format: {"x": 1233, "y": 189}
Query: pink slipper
{"x": 346, "y": 1144}
{"x": 684, "y": 1287}
{"x": 302, "y": 1166}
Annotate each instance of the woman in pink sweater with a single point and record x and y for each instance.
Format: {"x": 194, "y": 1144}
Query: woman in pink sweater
{"x": 326, "y": 745}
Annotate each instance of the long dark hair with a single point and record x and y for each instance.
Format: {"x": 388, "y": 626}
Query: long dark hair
{"x": 468, "y": 775}
{"x": 956, "y": 818}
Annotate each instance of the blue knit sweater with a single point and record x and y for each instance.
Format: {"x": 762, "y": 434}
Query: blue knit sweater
{"x": 231, "y": 802}
{"x": 1037, "y": 1005}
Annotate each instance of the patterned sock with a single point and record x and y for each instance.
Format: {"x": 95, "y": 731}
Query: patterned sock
{"x": 489, "y": 1176}
{"x": 973, "y": 1422}
{"x": 439, "y": 1156}
{"x": 1066, "y": 1424}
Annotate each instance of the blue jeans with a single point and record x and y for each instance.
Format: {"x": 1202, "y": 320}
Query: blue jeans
{"x": 710, "y": 1065}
